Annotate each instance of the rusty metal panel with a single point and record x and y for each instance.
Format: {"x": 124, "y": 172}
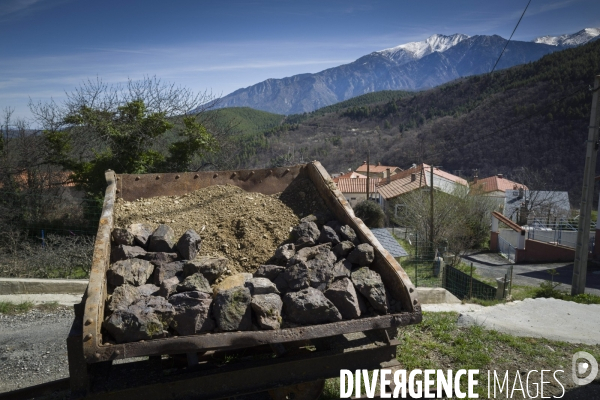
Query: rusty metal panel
{"x": 256, "y": 376}
{"x": 265, "y": 181}
{"x": 233, "y": 340}
{"x": 384, "y": 263}
{"x": 271, "y": 181}
{"x": 96, "y": 291}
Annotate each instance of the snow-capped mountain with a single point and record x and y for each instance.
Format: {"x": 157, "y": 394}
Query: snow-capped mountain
{"x": 416, "y": 50}
{"x": 410, "y": 66}
{"x": 570, "y": 40}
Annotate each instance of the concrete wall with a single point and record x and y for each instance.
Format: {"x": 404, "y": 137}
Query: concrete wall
{"x": 359, "y": 197}
{"x": 41, "y": 286}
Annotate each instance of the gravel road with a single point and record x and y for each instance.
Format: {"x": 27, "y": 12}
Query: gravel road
{"x": 33, "y": 348}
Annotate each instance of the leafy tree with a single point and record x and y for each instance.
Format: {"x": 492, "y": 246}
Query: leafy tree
{"x": 146, "y": 126}
{"x": 461, "y": 220}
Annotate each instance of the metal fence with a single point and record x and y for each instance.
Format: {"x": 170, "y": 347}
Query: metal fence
{"x": 506, "y": 249}
{"x": 464, "y": 286}
{"x": 460, "y": 282}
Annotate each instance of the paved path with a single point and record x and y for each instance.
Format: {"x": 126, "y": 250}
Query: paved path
{"x": 493, "y": 265}
{"x": 547, "y": 318}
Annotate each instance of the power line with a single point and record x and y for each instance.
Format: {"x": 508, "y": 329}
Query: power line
{"x": 511, "y": 35}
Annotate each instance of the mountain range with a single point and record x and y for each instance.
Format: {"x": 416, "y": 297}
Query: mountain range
{"x": 411, "y": 66}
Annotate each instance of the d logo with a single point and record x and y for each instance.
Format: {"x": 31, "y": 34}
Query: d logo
{"x": 582, "y": 367}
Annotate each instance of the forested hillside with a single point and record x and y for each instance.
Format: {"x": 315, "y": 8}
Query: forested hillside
{"x": 533, "y": 116}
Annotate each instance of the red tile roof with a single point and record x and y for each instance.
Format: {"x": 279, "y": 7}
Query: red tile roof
{"x": 398, "y": 187}
{"x": 349, "y": 175}
{"x": 426, "y": 167}
{"x": 377, "y": 168}
{"x": 357, "y": 185}
{"x": 495, "y": 183}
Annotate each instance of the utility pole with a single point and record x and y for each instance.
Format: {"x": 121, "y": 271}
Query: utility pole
{"x": 431, "y": 200}
{"x": 587, "y": 197}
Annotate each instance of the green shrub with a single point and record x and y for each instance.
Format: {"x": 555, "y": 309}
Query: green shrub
{"x": 371, "y": 214}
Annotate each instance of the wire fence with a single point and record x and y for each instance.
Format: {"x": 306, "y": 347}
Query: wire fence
{"x": 506, "y": 249}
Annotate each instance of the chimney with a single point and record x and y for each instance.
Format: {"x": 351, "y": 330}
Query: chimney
{"x": 413, "y": 177}
{"x": 364, "y": 163}
{"x": 379, "y": 164}
{"x": 520, "y": 193}
{"x": 499, "y": 176}
{"x": 475, "y": 177}
{"x": 388, "y": 172}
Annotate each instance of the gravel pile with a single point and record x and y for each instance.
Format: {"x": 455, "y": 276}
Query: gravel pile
{"x": 33, "y": 348}
{"x": 246, "y": 228}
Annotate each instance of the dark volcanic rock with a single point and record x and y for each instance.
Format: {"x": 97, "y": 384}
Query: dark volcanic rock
{"x": 343, "y": 295}
{"x": 124, "y": 252}
{"x": 267, "y": 308}
{"x": 148, "y": 290}
{"x": 328, "y": 235}
{"x": 320, "y": 273}
{"x": 306, "y": 230}
{"x": 133, "y": 325}
{"x": 188, "y": 244}
{"x": 319, "y": 218}
{"x": 343, "y": 249}
{"x": 303, "y": 242}
{"x": 309, "y": 253}
{"x": 141, "y": 233}
{"x": 145, "y": 319}
{"x": 162, "y": 239}
{"x": 194, "y": 283}
{"x": 210, "y": 267}
{"x": 122, "y": 236}
{"x": 297, "y": 276}
{"x": 159, "y": 305}
{"x": 347, "y": 233}
{"x": 261, "y": 286}
{"x": 369, "y": 284}
{"x": 192, "y": 313}
{"x": 270, "y": 272}
{"x": 169, "y": 286}
{"x": 281, "y": 284}
{"x": 309, "y": 306}
{"x": 134, "y": 271}
{"x": 362, "y": 255}
{"x": 123, "y": 296}
{"x": 334, "y": 224}
{"x": 167, "y": 271}
{"x": 342, "y": 269}
{"x": 231, "y": 309}
{"x": 160, "y": 258}
{"x": 284, "y": 253}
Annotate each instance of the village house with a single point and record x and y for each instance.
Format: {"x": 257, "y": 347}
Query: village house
{"x": 417, "y": 177}
{"x": 378, "y": 171}
{"x": 355, "y": 189}
{"x": 495, "y": 187}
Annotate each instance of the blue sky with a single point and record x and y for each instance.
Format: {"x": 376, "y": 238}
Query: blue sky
{"x": 48, "y": 47}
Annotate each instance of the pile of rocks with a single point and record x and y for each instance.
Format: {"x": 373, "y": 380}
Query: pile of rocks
{"x": 162, "y": 288}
